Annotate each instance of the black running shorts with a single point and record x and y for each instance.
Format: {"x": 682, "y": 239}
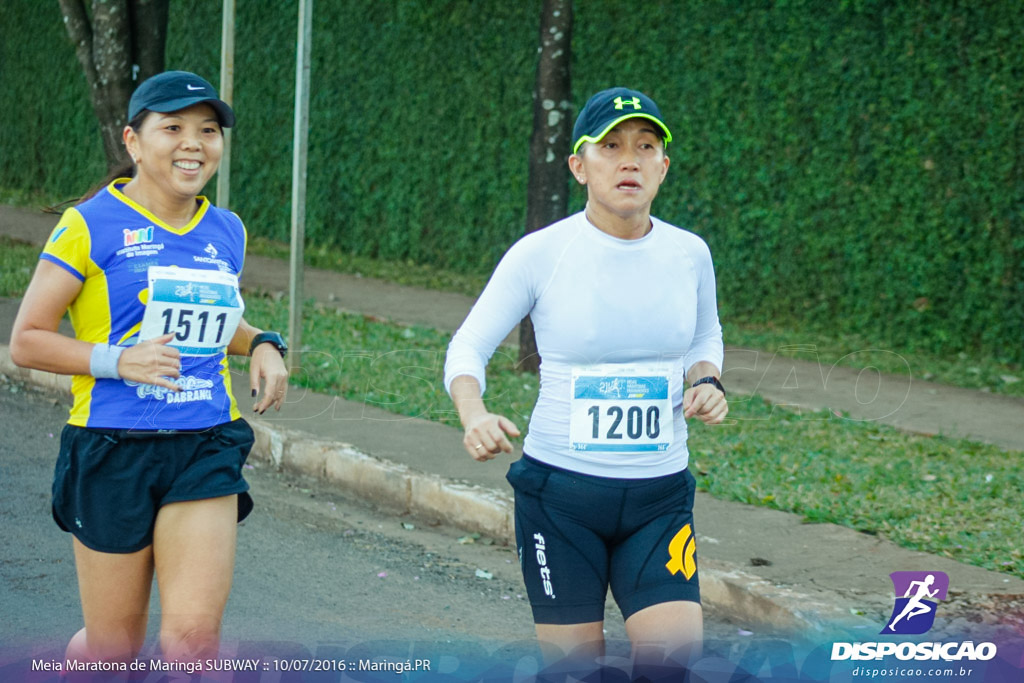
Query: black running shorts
{"x": 579, "y": 534}
{"x": 109, "y": 484}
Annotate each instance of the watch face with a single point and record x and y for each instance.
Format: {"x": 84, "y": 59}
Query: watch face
{"x": 274, "y": 338}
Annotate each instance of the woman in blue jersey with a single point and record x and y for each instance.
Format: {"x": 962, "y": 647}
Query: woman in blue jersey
{"x": 625, "y": 314}
{"x": 148, "y": 479}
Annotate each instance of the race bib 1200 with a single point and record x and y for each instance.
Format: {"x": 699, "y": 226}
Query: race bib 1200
{"x": 621, "y": 408}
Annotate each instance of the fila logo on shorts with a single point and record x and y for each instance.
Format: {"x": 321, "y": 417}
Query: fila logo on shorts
{"x": 620, "y": 103}
{"x": 681, "y": 550}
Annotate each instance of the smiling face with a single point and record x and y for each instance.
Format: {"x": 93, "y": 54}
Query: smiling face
{"x": 176, "y": 153}
{"x": 622, "y": 172}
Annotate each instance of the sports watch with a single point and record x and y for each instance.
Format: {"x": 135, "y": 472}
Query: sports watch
{"x": 274, "y": 338}
{"x": 710, "y": 379}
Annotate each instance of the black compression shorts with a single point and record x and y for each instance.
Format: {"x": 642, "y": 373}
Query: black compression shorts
{"x": 578, "y": 534}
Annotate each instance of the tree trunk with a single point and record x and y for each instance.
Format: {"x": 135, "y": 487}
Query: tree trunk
{"x": 547, "y": 187}
{"x": 149, "y": 36}
{"x": 120, "y": 38}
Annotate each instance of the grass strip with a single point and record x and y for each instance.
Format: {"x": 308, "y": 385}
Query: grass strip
{"x": 17, "y": 263}
{"x": 961, "y": 370}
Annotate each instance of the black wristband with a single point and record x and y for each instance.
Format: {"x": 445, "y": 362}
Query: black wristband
{"x": 274, "y": 338}
{"x": 710, "y": 379}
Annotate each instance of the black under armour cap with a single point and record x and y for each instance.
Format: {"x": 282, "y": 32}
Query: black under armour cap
{"x": 174, "y": 90}
{"x": 609, "y": 108}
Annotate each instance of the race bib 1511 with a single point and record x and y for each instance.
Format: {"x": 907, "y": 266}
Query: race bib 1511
{"x": 201, "y": 307}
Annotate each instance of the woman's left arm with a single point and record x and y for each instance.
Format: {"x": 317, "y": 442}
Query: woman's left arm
{"x": 706, "y": 355}
{"x": 266, "y": 364}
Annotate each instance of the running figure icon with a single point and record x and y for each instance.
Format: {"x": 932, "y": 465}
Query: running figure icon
{"x": 915, "y": 605}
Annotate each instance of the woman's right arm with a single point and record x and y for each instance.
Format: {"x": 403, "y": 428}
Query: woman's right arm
{"x": 505, "y": 301}
{"x": 36, "y": 343}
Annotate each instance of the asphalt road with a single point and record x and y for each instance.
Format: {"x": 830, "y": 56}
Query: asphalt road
{"x": 318, "y": 576}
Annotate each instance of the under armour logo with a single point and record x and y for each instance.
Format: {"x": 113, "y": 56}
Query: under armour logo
{"x": 681, "y": 550}
{"x": 620, "y": 103}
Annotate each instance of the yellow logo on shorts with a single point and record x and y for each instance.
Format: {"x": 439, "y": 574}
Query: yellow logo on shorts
{"x": 681, "y": 550}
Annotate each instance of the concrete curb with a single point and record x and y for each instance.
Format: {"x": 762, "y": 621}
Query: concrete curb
{"x": 757, "y": 602}
{"x": 394, "y": 485}
{"x": 39, "y": 378}
{"x": 724, "y": 587}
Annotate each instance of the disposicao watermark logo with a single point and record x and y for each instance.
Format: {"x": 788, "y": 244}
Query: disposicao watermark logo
{"x": 917, "y": 594}
{"x": 916, "y": 598}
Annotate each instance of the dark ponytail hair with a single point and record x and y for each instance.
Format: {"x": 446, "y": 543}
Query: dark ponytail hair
{"x": 125, "y": 170}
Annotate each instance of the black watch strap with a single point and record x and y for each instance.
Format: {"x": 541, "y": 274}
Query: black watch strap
{"x": 274, "y": 338}
{"x": 710, "y": 379}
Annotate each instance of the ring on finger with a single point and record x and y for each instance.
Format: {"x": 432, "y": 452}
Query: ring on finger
{"x": 478, "y": 446}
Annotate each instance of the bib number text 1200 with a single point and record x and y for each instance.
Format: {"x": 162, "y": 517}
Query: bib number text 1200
{"x": 638, "y": 422}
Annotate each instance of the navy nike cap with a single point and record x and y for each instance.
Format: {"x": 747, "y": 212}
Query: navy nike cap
{"x": 173, "y": 90}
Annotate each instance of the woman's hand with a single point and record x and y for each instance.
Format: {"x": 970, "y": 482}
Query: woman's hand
{"x": 268, "y": 365}
{"x": 487, "y": 435}
{"x": 706, "y": 403}
{"x": 151, "y": 362}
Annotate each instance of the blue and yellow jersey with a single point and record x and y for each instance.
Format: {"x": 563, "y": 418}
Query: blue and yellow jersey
{"x": 109, "y": 243}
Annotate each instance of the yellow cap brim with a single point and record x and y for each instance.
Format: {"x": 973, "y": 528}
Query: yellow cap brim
{"x": 615, "y": 122}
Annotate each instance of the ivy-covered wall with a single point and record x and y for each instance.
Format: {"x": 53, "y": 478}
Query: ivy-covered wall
{"x": 854, "y": 165}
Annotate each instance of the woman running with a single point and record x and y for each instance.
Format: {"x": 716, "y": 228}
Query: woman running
{"x": 149, "y": 475}
{"x": 625, "y": 314}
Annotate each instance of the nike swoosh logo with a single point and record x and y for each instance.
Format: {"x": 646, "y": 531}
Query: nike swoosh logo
{"x": 198, "y": 87}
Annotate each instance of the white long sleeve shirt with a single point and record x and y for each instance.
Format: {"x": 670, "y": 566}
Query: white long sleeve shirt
{"x": 632, "y": 308}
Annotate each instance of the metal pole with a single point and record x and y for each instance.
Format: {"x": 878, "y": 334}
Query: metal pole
{"x": 227, "y": 93}
{"x": 301, "y": 144}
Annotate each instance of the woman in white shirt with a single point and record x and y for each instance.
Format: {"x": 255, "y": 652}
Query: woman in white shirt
{"x": 625, "y": 314}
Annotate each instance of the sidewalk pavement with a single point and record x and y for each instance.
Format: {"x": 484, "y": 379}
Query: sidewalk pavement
{"x": 764, "y": 568}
